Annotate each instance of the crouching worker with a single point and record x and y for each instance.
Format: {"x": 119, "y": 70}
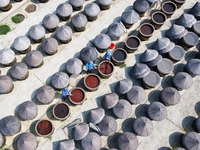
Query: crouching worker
{"x": 109, "y": 52}
{"x": 65, "y": 93}
{"x": 89, "y": 66}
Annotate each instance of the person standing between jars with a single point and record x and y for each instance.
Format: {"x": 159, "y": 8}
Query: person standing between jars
{"x": 109, "y": 52}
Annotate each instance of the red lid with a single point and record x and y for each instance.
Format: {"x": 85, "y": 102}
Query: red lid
{"x": 112, "y": 45}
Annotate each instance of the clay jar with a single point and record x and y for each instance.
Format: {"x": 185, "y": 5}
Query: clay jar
{"x": 61, "y": 111}
{"x": 43, "y": 1}
{"x": 132, "y": 43}
{"x": 106, "y": 68}
{"x": 119, "y": 56}
{"x": 179, "y": 3}
{"x": 78, "y": 96}
{"x": 44, "y": 127}
{"x": 6, "y": 8}
{"x": 158, "y": 18}
{"x": 169, "y": 8}
{"x": 145, "y": 31}
{"x": 92, "y": 82}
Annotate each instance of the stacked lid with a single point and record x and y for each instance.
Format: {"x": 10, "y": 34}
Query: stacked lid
{"x": 151, "y": 57}
{"x": 163, "y": 45}
{"x": 186, "y": 20}
{"x": 176, "y": 32}
{"x": 139, "y": 70}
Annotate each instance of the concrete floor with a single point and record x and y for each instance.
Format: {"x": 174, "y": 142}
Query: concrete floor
{"x": 166, "y": 133}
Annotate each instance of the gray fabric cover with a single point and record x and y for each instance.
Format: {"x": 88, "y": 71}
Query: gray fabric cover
{"x": 88, "y": 53}
{"x": 191, "y": 141}
{"x": 34, "y": 58}
{"x": 193, "y": 66}
{"x": 6, "y": 84}
{"x": 91, "y": 142}
{"x": 50, "y": 21}
{"x": 60, "y": 80}
{"x": 130, "y": 16}
{"x": 28, "y": 110}
{"x": 182, "y": 81}
{"x": 170, "y": 96}
{"x": 105, "y": 2}
{"x": 149, "y": 55}
{"x": 7, "y": 56}
{"x": 4, "y": 3}
{"x": 141, "y": 6}
{"x": 19, "y": 70}
{"x": 108, "y": 126}
{"x": 157, "y": 111}
{"x": 96, "y": 115}
{"x": 74, "y": 66}
{"x": 115, "y": 30}
{"x": 21, "y": 43}
{"x": 76, "y": 3}
{"x": 36, "y": 32}
{"x": 123, "y": 86}
{"x": 139, "y": 70}
{"x": 122, "y": 109}
{"x": 66, "y": 144}
{"x": 186, "y": 20}
{"x": 136, "y": 95}
{"x": 64, "y": 33}
{"x": 27, "y": 141}
{"x": 92, "y": 10}
{"x": 79, "y": 20}
{"x": 49, "y": 45}
{"x": 64, "y": 9}
{"x": 9, "y": 125}
{"x": 45, "y": 94}
{"x": 143, "y": 126}
{"x": 155, "y": 62}
{"x": 80, "y": 131}
{"x": 110, "y": 100}
{"x": 127, "y": 141}
{"x": 102, "y": 41}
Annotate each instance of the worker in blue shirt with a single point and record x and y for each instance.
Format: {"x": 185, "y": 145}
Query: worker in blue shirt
{"x": 89, "y": 66}
{"x": 65, "y": 93}
{"x": 109, "y": 52}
